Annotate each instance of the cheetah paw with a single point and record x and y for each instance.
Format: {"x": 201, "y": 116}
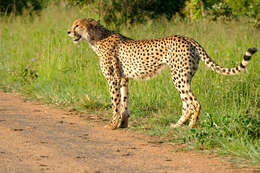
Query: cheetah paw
{"x": 175, "y": 125}
{"x": 110, "y": 127}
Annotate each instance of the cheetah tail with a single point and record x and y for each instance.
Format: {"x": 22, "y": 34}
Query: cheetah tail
{"x": 230, "y": 71}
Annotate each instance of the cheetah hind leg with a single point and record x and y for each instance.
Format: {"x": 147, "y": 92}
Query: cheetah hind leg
{"x": 187, "y": 106}
{"x": 191, "y": 107}
{"x": 193, "y": 113}
{"x": 182, "y": 120}
{"x": 195, "y": 117}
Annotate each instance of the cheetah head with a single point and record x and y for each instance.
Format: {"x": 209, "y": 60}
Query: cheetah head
{"x": 83, "y": 29}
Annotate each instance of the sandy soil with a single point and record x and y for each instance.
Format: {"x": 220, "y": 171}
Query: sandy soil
{"x": 40, "y": 138}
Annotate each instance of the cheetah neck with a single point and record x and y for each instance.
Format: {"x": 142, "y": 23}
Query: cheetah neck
{"x": 97, "y": 34}
{"x": 94, "y": 48}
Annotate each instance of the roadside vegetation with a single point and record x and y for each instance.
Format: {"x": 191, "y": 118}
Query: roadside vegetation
{"x": 38, "y": 59}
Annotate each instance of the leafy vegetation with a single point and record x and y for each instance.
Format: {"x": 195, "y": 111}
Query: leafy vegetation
{"x": 38, "y": 59}
{"x": 21, "y": 6}
{"x": 127, "y": 12}
{"x": 118, "y": 12}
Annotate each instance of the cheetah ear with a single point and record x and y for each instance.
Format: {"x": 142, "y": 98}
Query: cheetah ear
{"x": 95, "y": 23}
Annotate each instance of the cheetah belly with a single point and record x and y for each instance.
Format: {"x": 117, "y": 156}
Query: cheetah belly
{"x": 141, "y": 71}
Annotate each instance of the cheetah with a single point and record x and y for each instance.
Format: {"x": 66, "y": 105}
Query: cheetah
{"x": 122, "y": 58}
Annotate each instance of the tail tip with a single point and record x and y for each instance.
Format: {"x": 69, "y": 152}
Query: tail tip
{"x": 252, "y": 50}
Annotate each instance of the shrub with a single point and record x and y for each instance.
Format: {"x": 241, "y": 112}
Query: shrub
{"x": 21, "y": 6}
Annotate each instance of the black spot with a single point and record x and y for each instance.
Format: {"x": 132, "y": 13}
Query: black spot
{"x": 242, "y": 66}
{"x": 252, "y": 50}
{"x": 247, "y": 58}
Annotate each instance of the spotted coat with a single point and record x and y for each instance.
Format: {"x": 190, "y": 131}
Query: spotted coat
{"x": 122, "y": 58}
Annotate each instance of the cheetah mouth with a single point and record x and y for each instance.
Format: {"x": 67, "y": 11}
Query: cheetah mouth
{"x": 77, "y": 39}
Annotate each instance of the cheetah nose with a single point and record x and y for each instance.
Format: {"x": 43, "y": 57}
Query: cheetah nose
{"x": 69, "y": 32}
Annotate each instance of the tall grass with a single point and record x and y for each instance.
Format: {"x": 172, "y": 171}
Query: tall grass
{"x": 38, "y": 58}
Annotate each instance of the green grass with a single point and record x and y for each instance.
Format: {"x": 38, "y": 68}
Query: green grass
{"x": 38, "y": 59}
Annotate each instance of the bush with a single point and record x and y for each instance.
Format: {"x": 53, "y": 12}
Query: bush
{"x": 79, "y": 2}
{"x": 21, "y": 6}
{"x": 121, "y": 12}
{"x": 222, "y": 9}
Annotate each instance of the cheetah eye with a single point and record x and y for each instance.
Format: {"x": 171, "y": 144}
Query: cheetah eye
{"x": 76, "y": 26}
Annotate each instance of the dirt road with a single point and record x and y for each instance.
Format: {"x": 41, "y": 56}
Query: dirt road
{"x": 39, "y": 138}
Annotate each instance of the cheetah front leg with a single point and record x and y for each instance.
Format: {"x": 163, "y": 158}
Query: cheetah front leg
{"x": 114, "y": 88}
{"x": 124, "y": 103}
